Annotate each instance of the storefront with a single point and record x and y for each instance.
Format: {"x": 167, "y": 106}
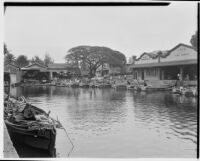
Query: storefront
{"x": 166, "y": 65}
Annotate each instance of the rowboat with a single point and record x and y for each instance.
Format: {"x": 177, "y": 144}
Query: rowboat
{"x": 30, "y": 125}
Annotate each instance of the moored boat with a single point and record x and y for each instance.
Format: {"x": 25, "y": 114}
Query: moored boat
{"x": 30, "y": 125}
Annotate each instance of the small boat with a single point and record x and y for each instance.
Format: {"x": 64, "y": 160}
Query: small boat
{"x": 84, "y": 85}
{"x": 104, "y": 85}
{"x": 189, "y": 92}
{"x": 176, "y": 90}
{"x": 130, "y": 87}
{"x": 74, "y": 85}
{"x": 119, "y": 86}
{"x": 30, "y": 125}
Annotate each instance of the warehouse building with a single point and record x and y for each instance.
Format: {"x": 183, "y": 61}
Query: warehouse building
{"x": 167, "y": 65}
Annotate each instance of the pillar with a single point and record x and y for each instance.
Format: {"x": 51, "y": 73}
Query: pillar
{"x": 162, "y": 74}
{"x": 181, "y": 73}
{"x": 50, "y": 75}
{"x": 158, "y": 73}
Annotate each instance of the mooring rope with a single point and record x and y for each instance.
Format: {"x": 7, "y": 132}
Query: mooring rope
{"x": 62, "y": 127}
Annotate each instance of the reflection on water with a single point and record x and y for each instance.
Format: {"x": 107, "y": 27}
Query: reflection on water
{"x": 114, "y": 123}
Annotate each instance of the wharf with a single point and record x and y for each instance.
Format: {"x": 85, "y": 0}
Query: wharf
{"x": 9, "y": 150}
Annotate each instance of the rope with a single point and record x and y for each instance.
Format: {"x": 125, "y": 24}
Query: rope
{"x": 62, "y": 127}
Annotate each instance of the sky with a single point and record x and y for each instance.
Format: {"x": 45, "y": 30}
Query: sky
{"x": 131, "y": 30}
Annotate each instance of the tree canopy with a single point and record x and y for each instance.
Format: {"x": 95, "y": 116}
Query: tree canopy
{"x": 37, "y": 59}
{"x": 6, "y": 49}
{"x": 22, "y": 60}
{"x": 92, "y": 57}
{"x": 48, "y": 60}
{"x": 193, "y": 40}
{"x": 9, "y": 58}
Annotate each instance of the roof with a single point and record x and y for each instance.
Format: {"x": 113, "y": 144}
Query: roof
{"x": 38, "y": 64}
{"x": 57, "y": 66}
{"x": 11, "y": 68}
{"x": 152, "y": 55}
{"x": 12, "y": 64}
{"x": 177, "y": 46}
{"x": 29, "y": 67}
{"x": 163, "y": 53}
{"x": 172, "y": 63}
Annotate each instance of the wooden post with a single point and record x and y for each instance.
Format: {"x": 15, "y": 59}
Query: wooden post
{"x": 181, "y": 73}
{"x": 50, "y": 75}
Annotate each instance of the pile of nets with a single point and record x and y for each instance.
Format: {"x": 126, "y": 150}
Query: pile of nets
{"x": 23, "y": 114}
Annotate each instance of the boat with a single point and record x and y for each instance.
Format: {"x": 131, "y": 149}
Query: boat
{"x": 84, "y": 85}
{"x": 189, "y": 92}
{"x": 176, "y": 90}
{"x": 74, "y": 85}
{"x": 30, "y": 125}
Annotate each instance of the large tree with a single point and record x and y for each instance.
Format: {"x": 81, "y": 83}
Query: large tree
{"x": 193, "y": 40}
{"x": 92, "y": 57}
{"x": 9, "y": 58}
{"x": 22, "y": 60}
{"x": 37, "y": 59}
{"x": 48, "y": 60}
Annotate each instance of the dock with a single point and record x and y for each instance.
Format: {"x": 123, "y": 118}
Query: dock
{"x": 9, "y": 150}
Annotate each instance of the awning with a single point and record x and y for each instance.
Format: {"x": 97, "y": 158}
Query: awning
{"x": 162, "y": 64}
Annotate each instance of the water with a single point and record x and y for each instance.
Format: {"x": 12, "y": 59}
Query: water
{"x": 110, "y": 123}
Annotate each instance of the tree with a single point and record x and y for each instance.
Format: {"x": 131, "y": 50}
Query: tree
{"x": 9, "y": 58}
{"x": 36, "y": 59}
{"x": 22, "y": 61}
{"x": 92, "y": 57}
{"x": 193, "y": 40}
{"x": 5, "y": 49}
{"x": 48, "y": 60}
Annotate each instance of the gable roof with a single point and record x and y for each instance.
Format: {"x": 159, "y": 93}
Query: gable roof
{"x": 37, "y": 64}
{"x": 163, "y": 53}
{"x": 152, "y": 55}
{"x": 12, "y": 64}
{"x": 174, "y": 48}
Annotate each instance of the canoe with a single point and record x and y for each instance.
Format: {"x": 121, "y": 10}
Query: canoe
{"x": 37, "y": 131}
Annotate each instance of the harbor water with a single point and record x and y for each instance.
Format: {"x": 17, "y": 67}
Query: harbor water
{"x": 120, "y": 123}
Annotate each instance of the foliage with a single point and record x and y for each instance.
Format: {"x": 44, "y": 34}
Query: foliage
{"x": 22, "y": 60}
{"x": 92, "y": 57}
{"x": 36, "y": 59}
{"x": 6, "y": 49}
{"x": 9, "y": 58}
{"x": 193, "y": 40}
{"x": 48, "y": 60}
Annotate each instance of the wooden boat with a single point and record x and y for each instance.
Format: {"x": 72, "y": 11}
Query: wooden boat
{"x": 119, "y": 86}
{"x": 30, "y": 125}
{"x": 176, "y": 90}
{"x": 84, "y": 85}
{"x": 74, "y": 85}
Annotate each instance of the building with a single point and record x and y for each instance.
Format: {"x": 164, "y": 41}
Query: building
{"x": 37, "y": 71}
{"x": 108, "y": 69}
{"x": 166, "y": 65}
{"x": 12, "y": 74}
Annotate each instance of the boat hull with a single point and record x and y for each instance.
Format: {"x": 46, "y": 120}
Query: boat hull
{"x": 40, "y": 139}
